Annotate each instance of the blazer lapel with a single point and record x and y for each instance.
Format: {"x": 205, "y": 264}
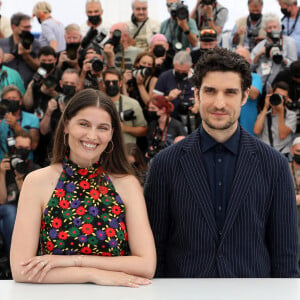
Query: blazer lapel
{"x": 196, "y": 178}
{"x": 245, "y": 174}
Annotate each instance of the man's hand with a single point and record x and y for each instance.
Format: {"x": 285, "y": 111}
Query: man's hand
{"x": 4, "y": 165}
{"x": 8, "y": 57}
{"x": 11, "y": 119}
{"x": 52, "y": 106}
{"x": 183, "y": 24}
{"x": 109, "y": 50}
{"x": 173, "y": 94}
{"x": 48, "y": 91}
{"x": 23, "y": 51}
{"x": 207, "y": 11}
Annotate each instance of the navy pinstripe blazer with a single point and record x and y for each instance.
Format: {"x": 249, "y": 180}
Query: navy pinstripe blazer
{"x": 259, "y": 237}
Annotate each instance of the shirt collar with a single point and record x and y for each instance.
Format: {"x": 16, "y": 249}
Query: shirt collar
{"x": 207, "y": 142}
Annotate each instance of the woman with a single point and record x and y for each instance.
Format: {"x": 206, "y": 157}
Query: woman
{"x": 75, "y": 209}
{"x": 163, "y": 130}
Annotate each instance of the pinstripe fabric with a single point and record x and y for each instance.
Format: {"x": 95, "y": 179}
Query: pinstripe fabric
{"x": 259, "y": 237}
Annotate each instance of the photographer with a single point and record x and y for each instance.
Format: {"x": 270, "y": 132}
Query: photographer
{"x": 44, "y": 85}
{"x": 273, "y": 54}
{"x": 69, "y": 57}
{"x": 163, "y": 130}
{"x": 180, "y": 30}
{"x": 13, "y": 170}
{"x": 277, "y": 125}
{"x": 133, "y": 123}
{"x": 247, "y": 30}
{"x": 21, "y": 49}
{"x": 14, "y": 121}
{"x": 210, "y": 13}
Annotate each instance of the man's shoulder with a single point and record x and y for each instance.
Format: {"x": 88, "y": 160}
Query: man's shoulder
{"x": 129, "y": 100}
{"x": 29, "y": 116}
{"x": 166, "y": 74}
{"x": 5, "y": 41}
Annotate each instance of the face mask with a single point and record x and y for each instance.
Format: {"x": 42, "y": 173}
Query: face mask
{"x": 159, "y": 51}
{"x": 14, "y": 106}
{"x": 112, "y": 90}
{"x": 297, "y": 158}
{"x": 39, "y": 20}
{"x": 22, "y": 152}
{"x": 180, "y": 76}
{"x": 285, "y": 12}
{"x": 47, "y": 67}
{"x": 94, "y": 20}
{"x": 152, "y": 116}
{"x": 255, "y": 17}
{"x": 69, "y": 90}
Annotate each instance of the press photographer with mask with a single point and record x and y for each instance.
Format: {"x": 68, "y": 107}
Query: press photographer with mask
{"x": 180, "y": 30}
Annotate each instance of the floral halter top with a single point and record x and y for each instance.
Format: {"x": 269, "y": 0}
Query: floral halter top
{"x": 85, "y": 215}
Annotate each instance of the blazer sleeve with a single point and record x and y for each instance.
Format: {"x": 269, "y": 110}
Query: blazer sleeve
{"x": 156, "y": 195}
{"x": 282, "y": 228}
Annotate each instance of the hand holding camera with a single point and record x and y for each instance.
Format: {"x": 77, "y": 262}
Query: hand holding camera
{"x": 4, "y": 165}
{"x": 52, "y": 106}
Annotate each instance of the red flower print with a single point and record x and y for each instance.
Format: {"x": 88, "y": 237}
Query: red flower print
{"x": 110, "y": 232}
{"x": 82, "y": 171}
{"x": 92, "y": 176}
{"x": 56, "y": 223}
{"x": 99, "y": 170}
{"x": 126, "y": 236}
{"x": 80, "y": 211}
{"x": 84, "y": 184}
{"x": 43, "y": 224}
{"x": 64, "y": 204}
{"x": 116, "y": 209}
{"x": 94, "y": 194}
{"x": 122, "y": 253}
{"x": 60, "y": 193}
{"x": 103, "y": 190}
{"x": 87, "y": 228}
{"x": 86, "y": 250}
{"x": 62, "y": 235}
{"x": 49, "y": 246}
{"x": 122, "y": 225}
{"x": 106, "y": 254}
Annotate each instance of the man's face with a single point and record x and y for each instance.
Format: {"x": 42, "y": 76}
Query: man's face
{"x": 24, "y": 25}
{"x": 113, "y": 79}
{"x": 140, "y": 11}
{"x": 221, "y": 98}
{"x": 13, "y": 96}
{"x": 255, "y": 8}
{"x": 272, "y": 25}
{"x": 93, "y": 9}
{"x": 208, "y": 45}
{"x": 283, "y": 93}
{"x": 72, "y": 36}
{"x": 47, "y": 59}
{"x": 182, "y": 68}
{"x": 70, "y": 79}
{"x": 23, "y": 142}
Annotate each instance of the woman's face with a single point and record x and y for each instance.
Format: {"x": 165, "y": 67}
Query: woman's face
{"x": 89, "y": 133}
{"x": 153, "y": 107}
{"x": 146, "y": 62}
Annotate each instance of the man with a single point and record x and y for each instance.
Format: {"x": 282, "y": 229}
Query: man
{"x": 21, "y": 49}
{"x": 276, "y": 124}
{"x": 247, "y": 30}
{"x": 180, "y": 30}
{"x": 69, "y": 57}
{"x": 118, "y": 49}
{"x": 142, "y": 28}
{"x": 9, "y": 76}
{"x": 208, "y": 40}
{"x": 94, "y": 11}
{"x": 52, "y": 31}
{"x": 249, "y": 109}
{"x": 176, "y": 84}
{"x": 290, "y": 20}
{"x": 274, "y": 53}
{"x": 221, "y": 203}
{"x": 16, "y": 120}
{"x": 133, "y": 123}
{"x": 210, "y": 13}
{"x": 12, "y": 173}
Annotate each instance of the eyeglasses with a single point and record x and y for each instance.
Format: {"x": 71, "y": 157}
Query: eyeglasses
{"x": 141, "y": 8}
{"x": 111, "y": 82}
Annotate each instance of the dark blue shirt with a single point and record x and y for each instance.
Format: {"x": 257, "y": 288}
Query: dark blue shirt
{"x": 219, "y": 161}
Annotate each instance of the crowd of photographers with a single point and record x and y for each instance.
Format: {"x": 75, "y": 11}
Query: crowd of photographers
{"x": 145, "y": 67}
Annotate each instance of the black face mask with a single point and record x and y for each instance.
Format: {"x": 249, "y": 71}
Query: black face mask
{"x": 152, "y": 116}
{"x": 255, "y": 16}
{"x": 112, "y": 90}
{"x": 12, "y": 106}
{"x": 22, "y": 152}
{"x": 95, "y": 20}
{"x": 180, "y": 76}
{"x": 296, "y": 158}
{"x": 39, "y": 20}
{"x": 69, "y": 90}
{"x": 285, "y": 12}
{"x": 47, "y": 67}
{"x": 159, "y": 51}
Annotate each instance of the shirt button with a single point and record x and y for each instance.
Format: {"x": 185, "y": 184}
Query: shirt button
{"x": 219, "y": 160}
{"x": 220, "y": 183}
{"x": 220, "y": 232}
{"x": 220, "y": 208}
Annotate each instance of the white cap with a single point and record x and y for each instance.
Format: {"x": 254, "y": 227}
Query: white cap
{"x": 296, "y": 141}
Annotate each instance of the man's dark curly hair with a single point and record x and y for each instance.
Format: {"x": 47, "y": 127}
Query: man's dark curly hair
{"x": 222, "y": 60}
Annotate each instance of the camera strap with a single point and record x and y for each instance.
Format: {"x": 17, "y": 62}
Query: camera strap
{"x": 121, "y": 106}
{"x": 249, "y": 24}
{"x": 139, "y": 29}
{"x": 173, "y": 30}
{"x": 269, "y": 120}
{"x": 164, "y": 131}
{"x": 288, "y": 31}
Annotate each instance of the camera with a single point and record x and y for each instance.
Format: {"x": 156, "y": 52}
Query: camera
{"x": 179, "y": 10}
{"x": 97, "y": 64}
{"x": 208, "y": 2}
{"x": 39, "y": 75}
{"x": 144, "y": 72}
{"x": 276, "y": 99}
{"x": 18, "y": 163}
{"x": 252, "y": 34}
{"x": 156, "y": 145}
{"x": 127, "y": 115}
{"x": 274, "y": 47}
{"x": 292, "y": 105}
{"x": 27, "y": 39}
{"x": 50, "y": 81}
{"x": 184, "y": 107}
{"x": 71, "y": 50}
{"x": 115, "y": 40}
{"x": 7, "y": 106}
{"x": 93, "y": 38}
{"x": 159, "y": 51}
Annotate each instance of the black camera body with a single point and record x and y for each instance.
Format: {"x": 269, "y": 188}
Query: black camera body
{"x": 292, "y": 105}
{"x": 180, "y": 11}
{"x": 276, "y": 99}
{"x": 144, "y": 72}
{"x": 97, "y": 64}
{"x": 27, "y": 39}
{"x": 39, "y": 75}
{"x": 184, "y": 107}
{"x": 115, "y": 40}
{"x": 127, "y": 115}
{"x": 19, "y": 164}
{"x": 274, "y": 47}
{"x": 156, "y": 146}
